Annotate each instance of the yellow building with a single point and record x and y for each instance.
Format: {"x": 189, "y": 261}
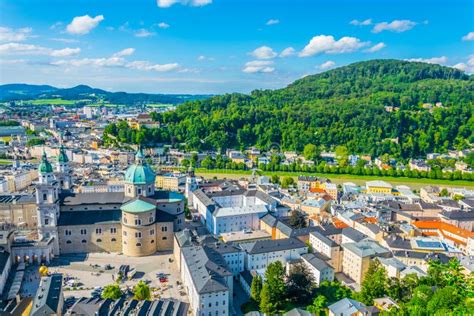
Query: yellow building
{"x": 378, "y": 186}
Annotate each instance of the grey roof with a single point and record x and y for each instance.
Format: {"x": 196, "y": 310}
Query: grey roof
{"x": 92, "y": 198}
{"x": 346, "y": 306}
{"x": 353, "y": 234}
{"x": 223, "y": 248}
{"x": 365, "y": 248}
{"x": 247, "y": 276}
{"x": 69, "y": 218}
{"x": 469, "y": 202}
{"x": 397, "y": 242}
{"x": 17, "y": 199}
{"x": 297, "y": 312}
{"x": 422, "y": 255}
{"x": 91, "y": 306}
{"x": 270, "y": 220}
{"x": 264, "y": 246}
{"x": 201, "y": 196}
{"x": 324, "y": 239}
{"x": 4, "y": 257}
{"x": 48, "y": 295}
{"x": 207, "y": 268}
{"x": 459, "y": 215}
{"x": 317, "y": 263}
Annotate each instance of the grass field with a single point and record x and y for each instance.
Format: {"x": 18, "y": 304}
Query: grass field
{"x": 5, "y": 162}
{"x": 51, "y": 101}
{"x": 414, "y": 183}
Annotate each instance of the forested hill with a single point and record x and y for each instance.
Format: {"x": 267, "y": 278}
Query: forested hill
{"x": 346, "y": 106}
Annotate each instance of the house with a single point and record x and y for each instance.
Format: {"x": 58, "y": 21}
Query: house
{"x": 378, "y": 186}
{"x": 320, "y": 270}
{"x": 49, "y": 296}
{"x": 328, "y": 248}
{"x": 419, "y": 164}
{"x": 347, "y": 307}
{"x": 259, "y": 254}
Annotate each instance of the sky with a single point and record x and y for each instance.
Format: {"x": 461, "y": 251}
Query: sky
{"x": 221, "y": 46}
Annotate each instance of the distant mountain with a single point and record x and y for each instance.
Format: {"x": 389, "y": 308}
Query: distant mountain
{"x": 16, "y": 91}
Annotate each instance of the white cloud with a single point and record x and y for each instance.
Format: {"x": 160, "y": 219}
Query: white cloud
{"x": 163, "y": 25}
{"x": 327, "y": 65}
{"x": 192, "y": 3}
{"x": 10, "y": 35}
{"x": 13, "y": 61}
{"x": 466, "y": 67}
{"x": 468, "y": 37}
{"x": 125, "y": 52}
{"x": 143, "y": 33}
{"x": 29, "y": 49}
{"x": 65, "y": 52}
{"x": 56, "y": 25}
{"x": 255, "y": 66}
{"x": 361, "y": 23}
{"x": 203, "y": 58}
{"x": 375, "y": 48}
{"x": 397, "y": 26}
{"x": 81, "y": 25}
{"x": 433, "y": 60}
{"x": 327, "y": 44}
{"x": 289, "y": 51}
{"x": 263, "y": 52}
{"x": 95, "y": 62}
{"x": 145, "y": 65}
{"x": 272, "y": 22}
{"x": 64, "y": 40}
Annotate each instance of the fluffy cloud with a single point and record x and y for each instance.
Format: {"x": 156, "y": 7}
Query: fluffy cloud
{"x": 327, "y": 44}
{"x": 143, "y": 33}
{"x": 263, "y": 52}
{"x": 468, "y": 37}
{"x": 125, "y": 52}
{"x": 65, "y": 52}
{"x": 163, "y": 25}
{"x": 64, "y": 40}
{"x": 466, "y": 67}
{"x": 361, "y": 23}
{"x": 29, "y": 49}
{"x": 289, "y": 51}
{"x": 255, "y": 66}
{"x": 272, "y": 22}
{"x": 81, "y": 25}
{"x": 96, "y": 62}
{"x": 10, "y": 35}
{"x": 433, "y": 60}
{"x": 327, "y": 65}
{"x": 192, "y": 3}
{"x": 397, "y": 26}
{"x": 145, "y": 65}
{"x": 375, "y": 48}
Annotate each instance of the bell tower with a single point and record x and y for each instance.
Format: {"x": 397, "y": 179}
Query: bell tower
{"x": 63, "y": 170}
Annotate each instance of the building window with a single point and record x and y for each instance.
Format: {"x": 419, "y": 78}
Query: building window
{"x": 138, "y": 235}
{"x": 46, "y": 221}
{"x": 150, "y": 219}
{"x": 113, "y": 240}
{"x": 124, "y": 242}
{"x": 152, "y": 232}
{"x": 139, "y": 191}
{"x": 84, "y": 241}
{"x": 125, "y": 220}
{"x": 113, "y": 230}
{"x": 83, "y": 231}
{"x": 67, "y": 232}
{"x": 164, "y": 238}
{"x": 152, "y": 241}
{"x": 138, "y": 221}
{"x": 99, "y": 240}
{"x": 68, "y": 242}
{"x": 45, "y": 196}
{"x": 98, "y": 231}
{"x": 124, "y": 233}
{"x": 138, "y": 244}
{"x": 164, "y": 229}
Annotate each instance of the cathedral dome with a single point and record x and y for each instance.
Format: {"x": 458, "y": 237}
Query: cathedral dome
{"x": 62, "y": 155}
{"x": 140, "y": 172}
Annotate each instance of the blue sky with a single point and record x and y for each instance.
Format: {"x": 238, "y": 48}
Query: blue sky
{"x": 218, "y": 46}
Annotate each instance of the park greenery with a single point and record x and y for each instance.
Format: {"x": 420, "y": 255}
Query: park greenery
{"x": 112, "y": 292}
{"x": 141, "y": 291}
{"x": 446, "y": 290}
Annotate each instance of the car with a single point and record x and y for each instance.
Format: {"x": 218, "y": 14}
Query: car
{"x": 163, "y": 279}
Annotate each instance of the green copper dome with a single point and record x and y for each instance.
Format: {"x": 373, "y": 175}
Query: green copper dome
{"x": 62, "y": 155}
{"x": 45, "y": 166}
{"x": 140, "y": 172}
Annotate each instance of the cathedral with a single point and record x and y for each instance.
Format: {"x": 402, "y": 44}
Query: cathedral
{"x": 137, "y": 222}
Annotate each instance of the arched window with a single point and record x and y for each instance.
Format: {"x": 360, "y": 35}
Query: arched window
{"x": 84, "y": 241}
{"x": 113, "y": 240}
{"x": 139, "y": 244}
{"x": 68, "y": 242}
{"x": 99, "y": 240}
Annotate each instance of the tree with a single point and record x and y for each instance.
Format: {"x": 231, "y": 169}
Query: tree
{"x": 333, "y": 291}
{"x": 256, "y": 288}
{"x": 299, "y": 284}
{"x": 34, "y": 142}
{"x": 286, "y": 182}
{"x": 318, "y": 306}
{"x": 374, "y": 284}
{"x": 311, "y": 152}
{"x": 446, "y": 299}
{"x": 112, "y": 292}
{"x": 275, "y": 179}
{"x": 274, "y": 290}
{"x": 297, "y": 219}
{"x": 444, "y": 192}
{"x": 141, "y": 291}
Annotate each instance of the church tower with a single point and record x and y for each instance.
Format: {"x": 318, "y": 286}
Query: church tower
{"x": 63, "y": 171}
{"x": 47, "y": 203}
{"x": 139, "y": 178}
{"x": 191, "y": 184}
